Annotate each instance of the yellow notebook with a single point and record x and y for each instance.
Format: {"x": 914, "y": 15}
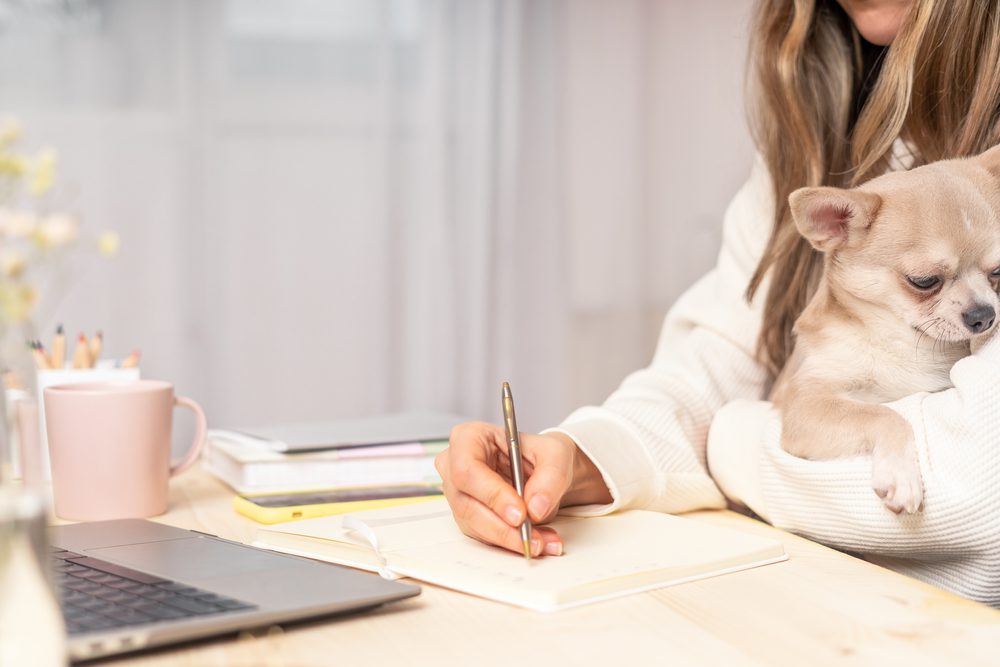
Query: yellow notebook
{"x": 605, "y": 557}
{"x": 279, "y": 507}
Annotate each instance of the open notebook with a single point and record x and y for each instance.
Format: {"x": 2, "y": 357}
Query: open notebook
{"x": 605, "y": 557}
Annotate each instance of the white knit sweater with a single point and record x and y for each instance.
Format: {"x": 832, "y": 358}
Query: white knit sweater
{"x": 698, "y": 408}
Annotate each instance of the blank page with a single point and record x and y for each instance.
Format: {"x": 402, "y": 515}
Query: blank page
{"x": 605, "y": 556}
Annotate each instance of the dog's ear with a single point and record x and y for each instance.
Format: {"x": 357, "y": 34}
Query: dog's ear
{"x": 991, "y": 160}
{"x": 832, "y": 218}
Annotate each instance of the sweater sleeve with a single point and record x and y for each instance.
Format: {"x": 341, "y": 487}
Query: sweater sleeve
{"x": 954, "y": 542}
{"x": 648, "y": 439}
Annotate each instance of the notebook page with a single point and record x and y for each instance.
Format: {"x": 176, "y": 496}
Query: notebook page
{"x": 605, "y": 556}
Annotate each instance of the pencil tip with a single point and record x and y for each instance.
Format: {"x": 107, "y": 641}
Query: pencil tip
{"x": 59, "y": 330}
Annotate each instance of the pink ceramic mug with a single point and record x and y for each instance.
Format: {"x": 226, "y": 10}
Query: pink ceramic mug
{"x": 109, "y": 446}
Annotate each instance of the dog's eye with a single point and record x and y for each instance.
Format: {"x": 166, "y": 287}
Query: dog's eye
{"x": 923, "y": 282}
{"x": 996, "y": 273}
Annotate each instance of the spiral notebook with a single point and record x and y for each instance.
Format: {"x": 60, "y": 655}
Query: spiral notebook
{"x": 606, "y": 557}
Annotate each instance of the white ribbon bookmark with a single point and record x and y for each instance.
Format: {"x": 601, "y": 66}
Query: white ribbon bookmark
{"x": 353, "y": 524}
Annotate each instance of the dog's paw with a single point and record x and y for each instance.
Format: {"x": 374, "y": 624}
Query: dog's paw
{"x": 896, "y": 480}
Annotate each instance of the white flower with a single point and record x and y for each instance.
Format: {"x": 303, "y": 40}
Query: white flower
{"x": 17, "y": 224}
{"x": 43, "y": 171}
{"x": 108, "y": 243}
{"x": 56, "y": 230}
{"x": 10, "y": 131}
{"x": 12, "y": 263}
{"x": 17, "y": 302}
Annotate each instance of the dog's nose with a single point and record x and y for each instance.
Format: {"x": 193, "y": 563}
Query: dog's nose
{"x": 979, "y": 318}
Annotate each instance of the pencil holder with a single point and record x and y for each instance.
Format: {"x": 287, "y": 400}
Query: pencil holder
{"x": 105, "y": 371}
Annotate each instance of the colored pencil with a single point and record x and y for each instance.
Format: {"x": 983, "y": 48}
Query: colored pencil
{"x": 96, "y": 343}
{"x": 81, "y": 355}
{"x": 57, "y": 358}
{"x": 132, "y": 360}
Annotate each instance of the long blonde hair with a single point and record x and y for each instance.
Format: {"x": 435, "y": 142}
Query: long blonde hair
{"x": 937, "y": 86}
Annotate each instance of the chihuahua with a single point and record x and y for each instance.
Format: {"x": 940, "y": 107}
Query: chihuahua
{"x": 911, "y": 270}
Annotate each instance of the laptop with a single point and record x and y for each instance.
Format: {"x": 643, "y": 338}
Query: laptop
{"x": 131, "y": 584}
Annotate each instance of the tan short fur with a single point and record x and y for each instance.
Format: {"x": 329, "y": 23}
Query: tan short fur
{"x": 869, "y": 335}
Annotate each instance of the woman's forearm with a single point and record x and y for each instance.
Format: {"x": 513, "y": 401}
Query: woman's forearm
{"x": 588, "y": 487}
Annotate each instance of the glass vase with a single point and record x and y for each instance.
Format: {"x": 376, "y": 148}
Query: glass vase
{"x": 18, "y": 374}
{"x": 32, "y": 631}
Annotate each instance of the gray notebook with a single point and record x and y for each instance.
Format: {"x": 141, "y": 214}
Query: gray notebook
{"x": 359, "y": 432}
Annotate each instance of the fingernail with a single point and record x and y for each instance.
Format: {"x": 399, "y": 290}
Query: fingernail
{"x": 513, "y": 515}
{"x": 554, "y": 548}
{"x": 536, "y": 547}
{"x": 539, "y": 506}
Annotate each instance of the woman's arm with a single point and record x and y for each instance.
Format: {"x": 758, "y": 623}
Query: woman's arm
{"x": 953, "y": 542}
{"x": 648, "y": 439}
{"x": 645, "y": 447}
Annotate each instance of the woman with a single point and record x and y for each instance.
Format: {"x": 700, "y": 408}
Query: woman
{"x": 842, "y": 91}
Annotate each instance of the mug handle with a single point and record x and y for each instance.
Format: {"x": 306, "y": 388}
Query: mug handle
{"x": 201, "y": 427}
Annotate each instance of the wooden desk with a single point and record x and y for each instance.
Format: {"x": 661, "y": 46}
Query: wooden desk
{"x": 820, "y": 607}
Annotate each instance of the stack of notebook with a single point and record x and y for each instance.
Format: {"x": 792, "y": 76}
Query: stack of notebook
{"x": 377, "y": 451}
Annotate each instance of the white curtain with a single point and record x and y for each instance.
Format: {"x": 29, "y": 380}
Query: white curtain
{"x": 336, "y": 208}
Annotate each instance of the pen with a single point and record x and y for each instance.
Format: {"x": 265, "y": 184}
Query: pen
{"x": 516, "y": 467}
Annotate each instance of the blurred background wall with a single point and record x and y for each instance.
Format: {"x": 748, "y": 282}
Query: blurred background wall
{"x": 344, "y": 207}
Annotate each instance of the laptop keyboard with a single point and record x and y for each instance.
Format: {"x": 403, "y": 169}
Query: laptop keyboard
{"x": 96, "y": 595}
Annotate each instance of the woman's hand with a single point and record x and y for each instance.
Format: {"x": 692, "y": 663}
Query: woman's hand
{"x": 476, "y": 474}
